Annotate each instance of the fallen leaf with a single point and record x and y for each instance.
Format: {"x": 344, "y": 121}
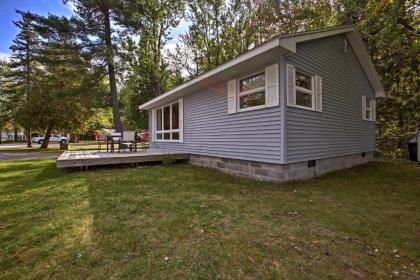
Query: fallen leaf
{"x": 316, "y": 242}
{"x": 356, "y": 273}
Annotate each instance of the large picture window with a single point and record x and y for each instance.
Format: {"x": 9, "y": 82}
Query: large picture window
{"x": 167, "y": 123}
{"x": 252, "y": 91}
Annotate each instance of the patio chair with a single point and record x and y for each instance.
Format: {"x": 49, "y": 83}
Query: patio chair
{"x": 144, "y": 140}
{"x": 114, "y": 138}
{"x": 128, "y": 140}
{"x": 101, "y": 139}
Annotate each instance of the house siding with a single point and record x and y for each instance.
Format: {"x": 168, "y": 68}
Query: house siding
{"x": 210, "y": 130}
{"x": 339, "y": 129}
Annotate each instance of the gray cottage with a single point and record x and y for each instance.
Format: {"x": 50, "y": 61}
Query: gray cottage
{"x": 296, "y": 107}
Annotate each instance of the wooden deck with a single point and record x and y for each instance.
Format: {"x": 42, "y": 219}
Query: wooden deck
{"x": 84, "y": 159}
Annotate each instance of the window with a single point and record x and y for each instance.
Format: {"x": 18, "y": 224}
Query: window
{"x": 305, "y": 94}
{"x": 252, "y": 91}
{"x": 368, "y": 108}
{"x": 167, "y": 122}
{"x": 304, "y": 90}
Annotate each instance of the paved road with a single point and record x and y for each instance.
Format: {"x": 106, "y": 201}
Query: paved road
{"x": 30, "y": 155}
{"x": 23, "y": 146}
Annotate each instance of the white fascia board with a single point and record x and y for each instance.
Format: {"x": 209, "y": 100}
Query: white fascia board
{"x": 254, "y": 52}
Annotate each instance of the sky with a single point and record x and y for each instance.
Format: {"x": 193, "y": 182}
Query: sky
{"x": 8, "y": 30}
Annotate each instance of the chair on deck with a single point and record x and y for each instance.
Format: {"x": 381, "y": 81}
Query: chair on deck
{"x": 128, "y": 139}
{"x": 101, "y": 139}
{"x": 144, "y": 140}
{"x": 114, "y": 138}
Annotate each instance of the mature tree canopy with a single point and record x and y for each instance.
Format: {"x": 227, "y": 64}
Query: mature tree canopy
{"x": 67, "y": 63}
{"x": 94, "y": 19}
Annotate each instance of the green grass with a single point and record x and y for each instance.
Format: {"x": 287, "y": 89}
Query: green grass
{"x": 184, "y": 222}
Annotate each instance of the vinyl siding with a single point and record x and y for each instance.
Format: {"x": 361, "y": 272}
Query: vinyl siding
{"x": 339, "y": 128}
{"x": 209, "y": 130}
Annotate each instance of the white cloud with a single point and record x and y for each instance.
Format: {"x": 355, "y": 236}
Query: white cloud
{"x": 170, "y": 45}
{"x": 71, "y": 6}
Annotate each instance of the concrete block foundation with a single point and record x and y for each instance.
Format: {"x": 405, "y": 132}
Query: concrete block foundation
{"x": 280, "y": 172}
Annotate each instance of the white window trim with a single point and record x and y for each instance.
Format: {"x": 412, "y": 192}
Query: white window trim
{"x": 305, "y": 90}
{"x": 156, "y": 132}
{"x": 369, "y": 106}
{"x": 240, "y": 93}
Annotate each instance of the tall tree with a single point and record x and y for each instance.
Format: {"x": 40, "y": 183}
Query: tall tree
{"x": 4, "y": 73}
{"x": 64, "y": 80}
{"x": 391, "y": 32}
{"x": 23, "y": 69}
{"x": 147, "y": 73}
{"x": 201, "y": 46}
{"x": 221, "y": 30}
{"x": 95, "y": 19}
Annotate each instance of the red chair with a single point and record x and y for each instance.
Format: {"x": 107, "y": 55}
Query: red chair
{"x": 144, "y": 140}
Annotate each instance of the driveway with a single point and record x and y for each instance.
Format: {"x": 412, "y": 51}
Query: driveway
{"x": 13, "y": 154}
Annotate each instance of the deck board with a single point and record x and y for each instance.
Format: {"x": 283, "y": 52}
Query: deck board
{"x": 70, "y": 159}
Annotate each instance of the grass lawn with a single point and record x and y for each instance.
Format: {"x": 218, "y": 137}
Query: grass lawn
{"x": 181, "y": 221}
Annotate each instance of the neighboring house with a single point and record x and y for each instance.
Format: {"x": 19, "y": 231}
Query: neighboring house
{"x": 9, "y": 135}
{"x": 296, "y": 107}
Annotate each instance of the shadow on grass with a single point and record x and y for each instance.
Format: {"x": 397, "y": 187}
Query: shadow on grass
{"x": 190, "y": 222}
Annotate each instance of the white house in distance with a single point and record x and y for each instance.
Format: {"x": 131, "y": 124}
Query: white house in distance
{"x": 9, "y": 135}
{"x": 296, "y": 107}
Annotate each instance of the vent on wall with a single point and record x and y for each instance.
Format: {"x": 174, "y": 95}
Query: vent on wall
{"x": 363, "y": 154}
{"x": 311, "y": 163}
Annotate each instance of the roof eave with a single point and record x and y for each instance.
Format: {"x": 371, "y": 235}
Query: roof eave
{"x": 254, "y": 52}
{"x": 288, "y": 44}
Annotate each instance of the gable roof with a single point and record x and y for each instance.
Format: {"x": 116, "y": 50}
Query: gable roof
{"x": 285, "y": 44}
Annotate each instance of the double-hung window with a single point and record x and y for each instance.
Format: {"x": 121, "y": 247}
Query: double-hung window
{"x": 305, "y": 93}
{"x": 168, "y": 122}
{"x": 304, "y": 90}
{"x": 252, "y": 91}
{"x": 368, "y": 108}
{"x": 257, "y": 91}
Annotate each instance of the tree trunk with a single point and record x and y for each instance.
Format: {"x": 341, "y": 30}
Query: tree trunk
{"x": 15, "y": 136}
{"x": 28, "y": 138}
{"x": 74, "y": 138}
{"x": 111, "y": 71}
{"x": 46, "y": 141}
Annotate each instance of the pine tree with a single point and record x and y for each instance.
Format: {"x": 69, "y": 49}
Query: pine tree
{"x": 65, "y": 78}
{"x": 23, "y": 68}
{"x": 94, "y": 28}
